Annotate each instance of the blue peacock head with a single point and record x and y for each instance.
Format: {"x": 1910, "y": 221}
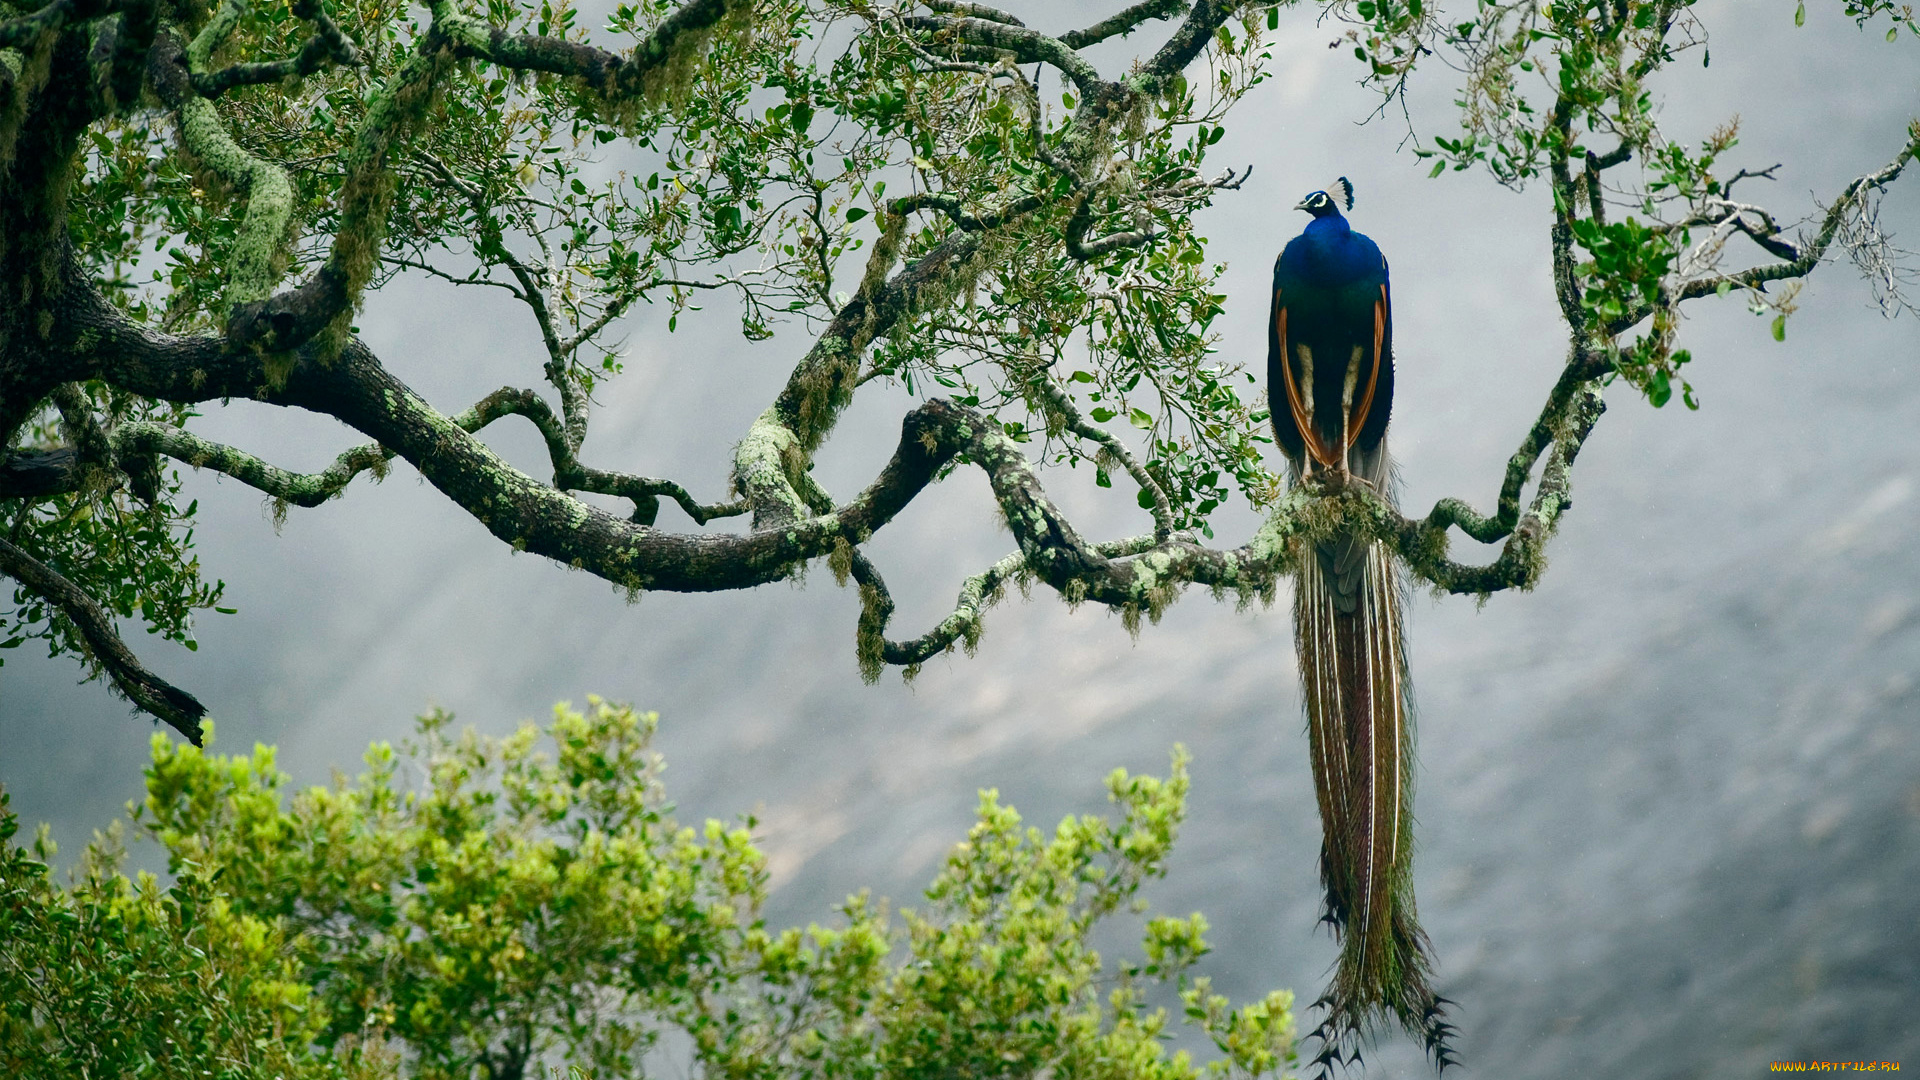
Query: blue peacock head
{"x": 1322, "y": 204}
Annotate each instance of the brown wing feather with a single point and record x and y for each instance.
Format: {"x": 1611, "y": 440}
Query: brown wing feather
{"x": 1359, "y": 417}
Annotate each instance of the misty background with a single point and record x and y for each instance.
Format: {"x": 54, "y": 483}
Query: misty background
{"x": 1669, "y": 801}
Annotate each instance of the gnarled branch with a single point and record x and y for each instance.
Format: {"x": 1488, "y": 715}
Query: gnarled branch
{"x": 181, "y": 710}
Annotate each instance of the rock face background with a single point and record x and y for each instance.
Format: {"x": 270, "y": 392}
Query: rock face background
{"x": 1670, "y": 801}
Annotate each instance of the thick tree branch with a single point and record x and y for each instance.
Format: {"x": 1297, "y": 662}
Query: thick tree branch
{"x": 37, "y": 473}
{"x": 24, "y": 29}
{"x": 1202, "y": 20}
{"x": 974, "y": 11}
{"x": 1121, "y": 24}
{"x": 956, "y": 211}
{"x": 291, "y": 318}
{"x": 643, "y": 72}
{"x": 150, "y": 692}
{"x": 1025, "y": 46}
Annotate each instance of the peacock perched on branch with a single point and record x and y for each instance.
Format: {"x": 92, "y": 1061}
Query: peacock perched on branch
{"x": 1330, "y": 382}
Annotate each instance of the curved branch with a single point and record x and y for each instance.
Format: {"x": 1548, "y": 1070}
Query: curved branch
{"x": 1186, "y": 43}
{"x": 292, "y": 318}
{"x": 1811, "y": 252}
{"x": 643, "y": 72}
{"x": 327, "y": 46}
{"x": 253, "y": 268}
{"x": 961, "y": 626}
{"x": 146, "y": 439}
{"x": 1024, "y": 45}
{"x": 873, "y": 649}
{"x": 1522, "y": 558}
{"x": 1121, "y": 24}
{"x": 181, "y": 710}
{"x": 1082, "y": 221}
{"x": 570, "y": 475}
{"x": 22, "y": 30}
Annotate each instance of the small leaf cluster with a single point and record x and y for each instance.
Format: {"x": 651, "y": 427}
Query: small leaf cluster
{"x": 1865, "y": 11}
{"x": 1626, "y": 271}
{"x": 513, "y": 907}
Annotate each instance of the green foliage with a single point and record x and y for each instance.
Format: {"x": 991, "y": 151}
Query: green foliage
{"x": 112, "y": 977}
{"x": 133, "y": 550}
{"x": 1565, "y": 90}
{"x": 1129, "y": 330}
{"x": 520, "y": 907}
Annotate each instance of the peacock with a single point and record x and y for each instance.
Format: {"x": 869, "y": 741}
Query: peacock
{"x": 1330, "y": 385}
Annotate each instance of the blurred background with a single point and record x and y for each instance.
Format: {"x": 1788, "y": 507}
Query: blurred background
{"x": 1669, "y": 801}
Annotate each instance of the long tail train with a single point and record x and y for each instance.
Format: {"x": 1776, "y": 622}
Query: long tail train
{"x": 1353, "y": 673}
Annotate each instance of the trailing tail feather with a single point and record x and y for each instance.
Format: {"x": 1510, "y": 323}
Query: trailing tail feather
{"x": 1353, "y": 675}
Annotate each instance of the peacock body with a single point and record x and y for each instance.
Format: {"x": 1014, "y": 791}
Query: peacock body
{"x": 1330, "y": 382}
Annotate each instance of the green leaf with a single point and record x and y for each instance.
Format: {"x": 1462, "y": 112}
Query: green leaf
{"x": 1439, "y": 167}
{"x": 855, "y": 214}
{"x": 1800, "y": 14}
{"x": 1102, "y": 415}
{"x": 1779, "y": 328}
{"x": 1723, "y": 288}
{"x": 1139, "y": 418}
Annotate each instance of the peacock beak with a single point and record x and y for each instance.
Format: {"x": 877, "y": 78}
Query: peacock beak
{"x": 1302, "y": 205}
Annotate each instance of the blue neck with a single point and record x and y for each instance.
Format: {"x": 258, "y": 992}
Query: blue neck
{"x": 1330, "y": 224}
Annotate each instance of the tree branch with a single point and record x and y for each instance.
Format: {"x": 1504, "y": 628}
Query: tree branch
{"x": 150, "y": 692}
{"x": 1121, "y": 24}
{"x": 1024, "y": 45}
{"x": 976, "y": 11}
{"x": 37, "y": 473}
{"x": 300, "y": 489}
{"x": 642, "y": 72}
{"x": 327, "y": 46}
{"x": 1185, "y": 44}
{"x": 289, "y": 319}
{"x": 311, "y": 489}
{"x": 1810, "y": 252}
{"x": 1058, "y": 400}
{"x": 24, "y": 29}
